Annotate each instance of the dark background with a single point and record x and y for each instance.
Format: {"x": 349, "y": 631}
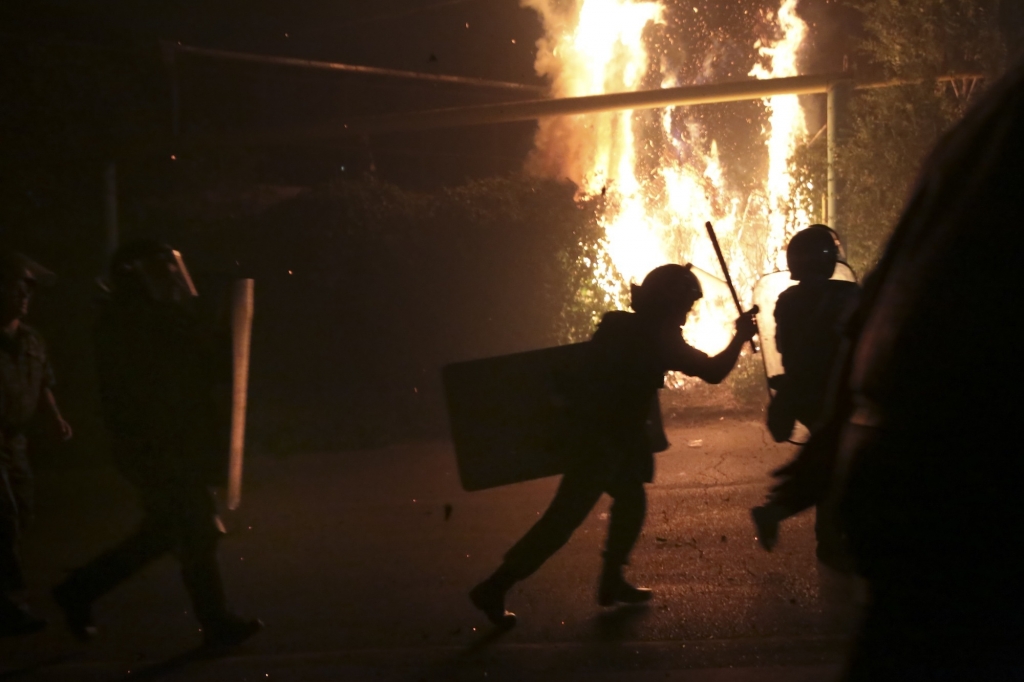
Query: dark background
{"x": 83, "y": 85}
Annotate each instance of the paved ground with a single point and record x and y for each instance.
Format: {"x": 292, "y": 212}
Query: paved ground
{"x": 352, "y": 564}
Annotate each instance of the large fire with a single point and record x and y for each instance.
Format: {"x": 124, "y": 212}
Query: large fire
{"x": 659, "y": 182}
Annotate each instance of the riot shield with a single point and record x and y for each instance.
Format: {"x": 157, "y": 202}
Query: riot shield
{"x": 241, "y": 334}
{"x": 710, "y": 325}
{"x": 508, "y": 416}
{"x": 766, "y": 294}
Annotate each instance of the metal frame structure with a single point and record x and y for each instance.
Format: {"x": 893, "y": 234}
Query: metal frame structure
{"x": 836, "y": 87}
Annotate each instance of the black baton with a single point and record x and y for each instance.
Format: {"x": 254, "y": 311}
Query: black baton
{"x": 725, "y": 271}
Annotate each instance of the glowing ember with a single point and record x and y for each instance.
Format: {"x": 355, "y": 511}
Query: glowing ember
{"x": 659, "y": 185}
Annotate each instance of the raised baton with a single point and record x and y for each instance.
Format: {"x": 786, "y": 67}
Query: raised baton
{"x": 725, "y": 271}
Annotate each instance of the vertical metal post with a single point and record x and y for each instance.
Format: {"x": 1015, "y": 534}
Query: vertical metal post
{"x": 170, "y": 56}
{"x": 830, "y": 211}
{"x": 110, "y": 222}
{"x": 838, "y": 95}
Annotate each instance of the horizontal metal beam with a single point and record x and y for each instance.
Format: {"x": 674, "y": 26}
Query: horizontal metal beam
{"x": 510, "y": 112}
{"x": 172, "y": 48}
{"x": 593, "y": 104}
{"x": 535, "y": 109}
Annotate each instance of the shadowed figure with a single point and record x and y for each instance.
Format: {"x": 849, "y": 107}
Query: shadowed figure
{"x": 809, "y": 321}
{"x": 158, "y": 368}
{"x": 608, "y": 407}
{"x": 929, "y": 460}
{"x": 26, "y": 382}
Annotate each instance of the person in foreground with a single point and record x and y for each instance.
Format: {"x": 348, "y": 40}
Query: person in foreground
{"x": 929, "y": 464}
{"x": 158, "y": 368}
{"x": 26, "y": 382}
{"x": 607, "y": 412}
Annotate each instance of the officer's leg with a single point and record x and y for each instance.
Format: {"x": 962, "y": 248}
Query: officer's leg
{"x": 577, "y": 494}
{"x": 627, "y": 520}
{"x": 831, "y": 549}
{"x": 11, "y": 577}
{"x": 15, "y": 509}
{"x": 155, "y": 536}
{"x": 199, "y": 533}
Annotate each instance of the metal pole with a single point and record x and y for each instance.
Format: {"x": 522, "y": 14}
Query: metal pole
{"x": 110, "y": 210}
{"x": 169, "y": 55}
{"x": 830, "y": 212}
{"x": 350, "y": 68}
{"x": 838, "y": 98}
{"x": 509, "y": 112}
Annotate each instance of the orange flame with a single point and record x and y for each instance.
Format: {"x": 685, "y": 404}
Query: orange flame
{"x": 655, "y": 211}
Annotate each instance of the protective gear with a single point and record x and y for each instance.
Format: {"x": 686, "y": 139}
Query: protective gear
{"x": 230, "y": 631}
{"x": 766, "y": 297}
{"x": 666, "y": 287}
{"x": 489, "y": 597}
{"x": 613, "y": 588}
{"x": 15, "y": 265}
{"x": 149, "y": 267}
{"x": 813, "y": 253}
{"x": 511, "y": 415}
{"x": 158, "y": 366}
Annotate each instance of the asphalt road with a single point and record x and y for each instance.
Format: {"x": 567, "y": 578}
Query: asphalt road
{"x": 358, "y": 572}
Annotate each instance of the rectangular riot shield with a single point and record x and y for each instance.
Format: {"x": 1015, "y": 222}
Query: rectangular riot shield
{"x": 241, "y": 335}
{"x": 508, "y": 415}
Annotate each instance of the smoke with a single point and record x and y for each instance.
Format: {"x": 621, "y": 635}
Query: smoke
{"x": 590, "y": 48}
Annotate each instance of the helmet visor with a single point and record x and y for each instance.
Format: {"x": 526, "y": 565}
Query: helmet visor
{"x": 166, "y": 276}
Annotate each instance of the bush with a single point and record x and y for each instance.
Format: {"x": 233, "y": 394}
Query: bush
{"x": 364, "y": 291}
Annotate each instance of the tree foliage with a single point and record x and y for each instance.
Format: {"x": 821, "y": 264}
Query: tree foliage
{"x": 889, "y": 130}
{"x": 365, "y": 290}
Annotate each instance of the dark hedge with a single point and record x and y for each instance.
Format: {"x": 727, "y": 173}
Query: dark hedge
{"x": 364, "y": 291}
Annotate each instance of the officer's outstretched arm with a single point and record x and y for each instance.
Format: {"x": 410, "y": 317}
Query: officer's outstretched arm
{"x": 718, "y": 367}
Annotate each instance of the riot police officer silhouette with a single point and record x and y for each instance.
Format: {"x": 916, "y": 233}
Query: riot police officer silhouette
{"x": 158, "y": 366}
{"x": 809, "y": 321}
{"x": 607, "y": 413}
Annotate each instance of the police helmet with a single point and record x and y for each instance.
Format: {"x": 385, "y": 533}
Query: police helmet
{"x": 16, "y": 265}
{"x": 813, "y": 253}
{"x": 151, "y": 268}
{"x": 666, "y": 287}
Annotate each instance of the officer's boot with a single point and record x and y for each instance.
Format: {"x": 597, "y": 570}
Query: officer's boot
{"x": 75, "y": 597}
{"x": 766, "y": 522}
{"x": 614, "y": 588}
{"x": 201, "y": 575}
{"x": 16, "y": 619}
{"x": 489, "y": 597}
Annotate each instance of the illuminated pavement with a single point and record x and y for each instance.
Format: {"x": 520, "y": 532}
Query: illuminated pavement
{"x": 351, "y": 563}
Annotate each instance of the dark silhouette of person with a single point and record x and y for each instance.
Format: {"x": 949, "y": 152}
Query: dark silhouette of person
{"x": 607, "y": 411}
{"x": 26, "y": 382}
{"x": 158, "y": 367}
{"x": 809, "y": 320}
{"x": 929, "y": 460}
